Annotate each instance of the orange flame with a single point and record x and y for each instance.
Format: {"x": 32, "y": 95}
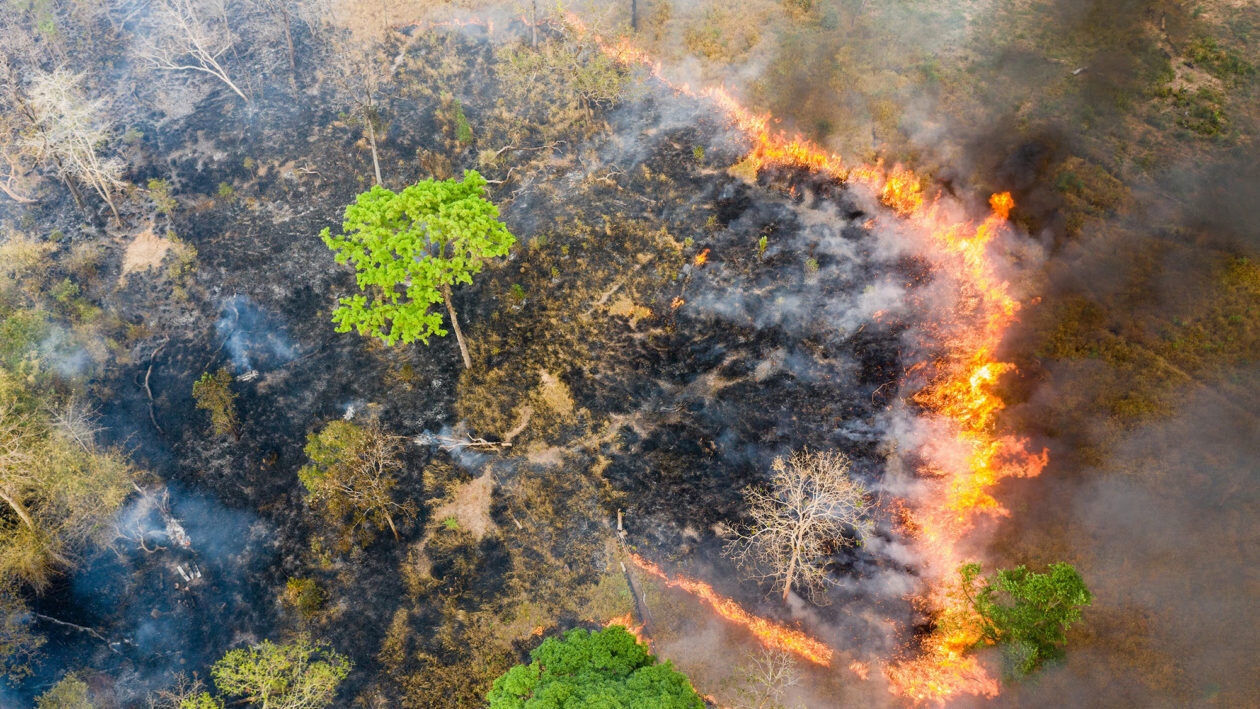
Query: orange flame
{"x": 960, "y": 393}
{"x": 769, "y": 633}
{"x": 702, "y": 257}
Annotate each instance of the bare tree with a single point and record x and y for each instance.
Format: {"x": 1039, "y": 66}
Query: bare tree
{"x": 358, "y": 74}
{"x": 281, "y": 12}
{"x": 765, "y": 678}
{"x": 17, "y": 52}
{"x": 810, "y": 503}
{"x": 189, "y": 36}
{"x": 70, "y": 130}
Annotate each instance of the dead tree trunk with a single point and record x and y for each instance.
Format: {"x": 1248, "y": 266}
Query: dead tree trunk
{"x": 459, "y": 336}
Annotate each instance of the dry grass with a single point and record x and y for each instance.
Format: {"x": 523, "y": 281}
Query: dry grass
{"x": 470, "y": 506}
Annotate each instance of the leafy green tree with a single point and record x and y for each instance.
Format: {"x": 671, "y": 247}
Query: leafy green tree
{"x": 70, "y": 693}
{"x": 214, "y": 394}
{"x": 1026, "y": 612}
{"x": 409, "y": 248}
{"x": 352, "y": 475}
{"x": 295, "y": 675}
{"x": 608, "y": 669}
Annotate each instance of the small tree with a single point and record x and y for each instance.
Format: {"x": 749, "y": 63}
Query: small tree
{"x": 296, "y": 675}
{"x": 58, "y": 491}
{"x": 357, "y": 75}
{"x": 214, "y": 394}
{"x": 70, "y": 130}
{"x": 608, "y": 668}
{"x": 765, "y": 679}
{"x": 189, "y": 36}
{"x": 70, "y": 693}
{"x": 810, "y": 503}
{"x": 1026, "y": 612}
{"x": 352, "y": 476}
{"x": 409, "y": 249}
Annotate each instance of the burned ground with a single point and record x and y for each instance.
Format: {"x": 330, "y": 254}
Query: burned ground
{"x": 660, "y": 333}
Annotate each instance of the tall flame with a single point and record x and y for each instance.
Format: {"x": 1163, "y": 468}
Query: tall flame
{"x": 770, "y": 634}
{"x": 961, "y": 392}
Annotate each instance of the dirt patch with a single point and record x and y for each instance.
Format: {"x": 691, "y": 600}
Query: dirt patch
{"x": 623, "y": 306}
{"x": 144, "y": 253}
{"x": 555, "y": 394}
{"x": 470, "y": 506}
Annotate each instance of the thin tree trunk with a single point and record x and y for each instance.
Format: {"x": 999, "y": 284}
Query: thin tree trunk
{"x": 634, "y": 15}
{"x": 787, "y": 582}
{"x": 288, "y": 37}
{"x": 390, "y": 521}
{"x": 459, "y": 336}
{"x": 369, "y": 118}
{"x": 533, "y": 24}
{"x": 110, "y": 201}
{"x": 18, "y": 509}
{"x": 74, "y": 191}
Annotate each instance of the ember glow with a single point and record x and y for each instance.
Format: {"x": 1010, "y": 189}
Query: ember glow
{"x": 771, "y": 634}
{"x": 960, "y": 392}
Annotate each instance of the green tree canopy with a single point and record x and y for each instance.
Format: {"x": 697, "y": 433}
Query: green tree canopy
{"x": 296, "y": 675}
{"x": 608, "y": 669}
{"x": 1026, "y": 612}
{"x": 409, "y": 248}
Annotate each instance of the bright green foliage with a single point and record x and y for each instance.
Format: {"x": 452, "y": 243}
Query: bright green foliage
{"x": 409, "y": 248}
{"x": 70, "y": 693}
{"x": 1026, "y": 612}
{"x": 606, "y": 670}
{"x": 296, "y": 675}
{"x": 213, "y": 393}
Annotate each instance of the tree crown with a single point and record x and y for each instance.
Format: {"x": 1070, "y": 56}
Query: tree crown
{"x": 608, "y": 668}
{"x": 1027, "y": 612}
{"x": 296, "y": 675}
{"x": 408, "y": 248}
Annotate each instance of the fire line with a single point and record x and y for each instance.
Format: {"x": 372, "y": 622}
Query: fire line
{"x": 960, "y": 393}
{"x": 769, "y": 633}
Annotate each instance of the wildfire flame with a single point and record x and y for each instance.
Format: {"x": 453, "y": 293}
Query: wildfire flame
{"x": 960, "y": 392}
{"x": 702, "y": 257}
{"x": 770, "y": 634}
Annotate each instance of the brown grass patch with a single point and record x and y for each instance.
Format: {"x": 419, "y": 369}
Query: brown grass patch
{"x": 144, "y": 253}
{"x": 470, "y": 505}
